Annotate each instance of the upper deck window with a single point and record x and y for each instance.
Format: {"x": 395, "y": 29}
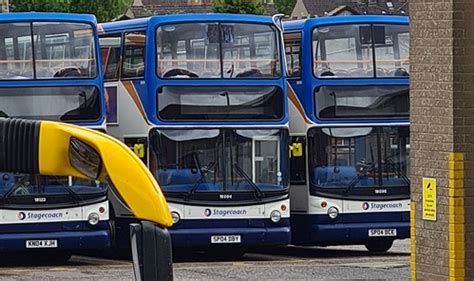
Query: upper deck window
{"x": 134, "y": 55}
{"x": 217, "y": 50}
{"x": 293, "y": 53}
{"x": 46, "y": 50}
{"x": 110, "y": 46}
{"x": 361, "y": 50}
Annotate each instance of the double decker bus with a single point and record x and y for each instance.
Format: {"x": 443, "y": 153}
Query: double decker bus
{"x": 349, "y": 122}
{"x": 49, "y": 70}
{"x": 201, "y": 99}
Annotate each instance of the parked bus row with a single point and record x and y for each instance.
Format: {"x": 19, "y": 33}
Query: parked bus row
{"x": 234, "y": 115}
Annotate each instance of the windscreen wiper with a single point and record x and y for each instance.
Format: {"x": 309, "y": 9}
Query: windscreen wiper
{"x": 71, "y": 192}
{"x": 359, "y": 175}
{"x": 394, "y": 169}
{"x": 258, "y": 191}
{"x": 200, "y": 180}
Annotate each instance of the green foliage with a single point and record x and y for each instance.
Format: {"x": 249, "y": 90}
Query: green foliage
{"x": 285, "y": 6}
{"x": 104, "y": 10}
{"x": 238, "y": 7}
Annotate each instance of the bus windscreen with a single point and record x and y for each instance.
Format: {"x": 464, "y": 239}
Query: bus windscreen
{"x": 219, "y": 160}
{"x": 361, "y": 50}
{"x": 47, "y": 50}
{"x": 217, "y": 50}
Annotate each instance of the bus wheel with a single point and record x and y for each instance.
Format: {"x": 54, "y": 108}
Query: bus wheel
{"x": 380, "y": 246}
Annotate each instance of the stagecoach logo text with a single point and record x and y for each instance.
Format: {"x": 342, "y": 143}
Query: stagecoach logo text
{"x": 381, "y": 206}
{"x": 33, "y": 216}
{"x": 223, "y": 213}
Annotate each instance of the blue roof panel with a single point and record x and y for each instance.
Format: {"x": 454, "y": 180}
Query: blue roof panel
{"x": 40, "y": 16}
{"x": 299, "y": 24}
{"x": 142, "y": 22}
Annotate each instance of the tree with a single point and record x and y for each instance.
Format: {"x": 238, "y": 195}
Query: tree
{"x": 285, "y": 6}
{"x": 104, "y": 10}
{"x": 238, "y": 7}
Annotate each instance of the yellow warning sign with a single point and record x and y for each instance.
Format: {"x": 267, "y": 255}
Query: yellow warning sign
{"x": 139, "y": 149}
{"x": 429, "y": 199}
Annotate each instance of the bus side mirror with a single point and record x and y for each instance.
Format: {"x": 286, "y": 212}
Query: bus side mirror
{"x": 296, "y": 149}
{"x": 151, "y": 252}
{"x": 84, "y": 158}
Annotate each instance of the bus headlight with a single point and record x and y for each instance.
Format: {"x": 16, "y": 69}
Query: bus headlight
{"x": 93, "y": 218}
{"x": 275, "y": 216}
{"x": 175, "y": 216}
{"x": 333, "y": 212}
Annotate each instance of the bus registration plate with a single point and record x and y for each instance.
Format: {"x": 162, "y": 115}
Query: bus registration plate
{"x": 218, "y": 239}
{"x": 382, "y": 232}
{"x": 41, "y": 243}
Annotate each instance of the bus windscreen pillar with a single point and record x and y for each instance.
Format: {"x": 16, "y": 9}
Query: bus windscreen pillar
{"x": 442, "y": 139}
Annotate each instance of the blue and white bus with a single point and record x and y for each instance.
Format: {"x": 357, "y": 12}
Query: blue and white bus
{"x": 349, "y": 122}
{"x": 202, "y": 99}
{"x": 49, "y": 70}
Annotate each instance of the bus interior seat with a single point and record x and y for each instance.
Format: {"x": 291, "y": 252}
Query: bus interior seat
{"x": 357, "y": 72}
{"x": 400, "y": 72}
{"x": 177, "y": 176}
{"x": 7, "y": 181}
{"x": 334, "y": 174}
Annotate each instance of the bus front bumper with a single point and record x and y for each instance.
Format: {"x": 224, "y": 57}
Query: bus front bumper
{"x": 65, "y": 240}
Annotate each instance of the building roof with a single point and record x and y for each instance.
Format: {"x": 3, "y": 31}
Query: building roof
{"x": 307, "y": 8}
{"x": 145, "y": 8}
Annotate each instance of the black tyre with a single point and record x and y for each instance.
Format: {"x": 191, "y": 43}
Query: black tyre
{"x": 379, "y": 246}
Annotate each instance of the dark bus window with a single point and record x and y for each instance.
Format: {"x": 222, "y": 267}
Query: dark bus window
{"x": 69, "y": 104}
{"x": 357, "y": 158}
{"x": 24, "y": 188}
{"x": 134, "y": 55}
{"x": 110, "y": 46}
{"x": 220, "y": 103}
{"x": 293, "y": 53}
{"x": 362, "y": 101}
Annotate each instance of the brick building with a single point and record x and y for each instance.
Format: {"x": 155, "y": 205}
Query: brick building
{"x": 145, "y": 8}
{"x": 319, "y": 8}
